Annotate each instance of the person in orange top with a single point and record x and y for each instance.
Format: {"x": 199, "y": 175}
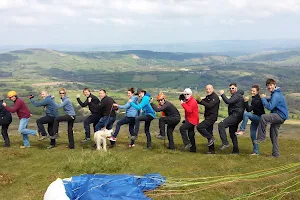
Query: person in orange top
{"x": 191, "y": 110}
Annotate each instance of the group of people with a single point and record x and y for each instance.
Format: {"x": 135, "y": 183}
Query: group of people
{"x": 103, "y": 115}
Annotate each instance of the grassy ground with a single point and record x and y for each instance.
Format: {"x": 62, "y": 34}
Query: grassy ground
{"x": 26, "y": 173}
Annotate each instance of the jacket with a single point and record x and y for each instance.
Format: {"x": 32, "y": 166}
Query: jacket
{"x": 67, "y": 105}
{"x": 92, "y": 108}
{"x": 20, "y": 107}
{"x": 277, "y": 104}
{"x": 49, "y": 103}
{"x": 4, "y": 114}
{"x": 168, "y": 109}
{"x": 145, "y": 106}
{"x": 211, "y": 103}
{"x": 256, "y": 106}
{"x": 191, "y": 111}
{"x": 105, "y": 106}
{"x": 235, "y": 103}
{"x": 130, "y": 110}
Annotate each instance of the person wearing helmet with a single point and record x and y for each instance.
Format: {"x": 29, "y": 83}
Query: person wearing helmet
{"x": 50, "y": 109}
{"x": 171, "y": 117}
{"x": 24, "y": 115}
{"x": 147, "y": 116}
{"x": 5, "y": 120}
{"x": 191, "y": 110}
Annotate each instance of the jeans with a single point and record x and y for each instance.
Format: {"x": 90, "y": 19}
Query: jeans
{"x": 92, "y": 119}
{"x": 188, "y": 138}
{"x": 147, "y": 119}
{"x": 275, "y": 120}
{"x": 253, "y": 128}
{"x": 45, "y": 120}
{"x": 231, "y": 122}
{"x": 126, "y": 120}
{"x": 70, "y": 120}
{"x": 4, "y": 122}
{"x": 105, "y": 122}
{"x": 24, "y": 131}
{"x": 171, "y": 123}
{"x": 205, "y": 128}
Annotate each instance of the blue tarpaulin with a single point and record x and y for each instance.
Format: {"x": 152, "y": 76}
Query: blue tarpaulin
{"x": 111, "y": 187}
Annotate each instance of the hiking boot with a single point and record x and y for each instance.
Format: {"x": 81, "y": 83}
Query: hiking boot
{"x": 273, "y": 156}
{"x": 85, "y": 140}
{"x": 68, "y": 147}
{"x": 211, "y": 141}
{"x": 23, "y": 147}
{"x": 42, "y": 138}
{"x": 160, "y": 137}
{"x": 210, "y": 152}
{"x": 112, "y": 138}
{"x": 240, "y": 132}
{"x": 224, "y": 146}
{"x": 258, "y": 141}
{"x": 51, "y": 146}
{"x": 193, "y": 150}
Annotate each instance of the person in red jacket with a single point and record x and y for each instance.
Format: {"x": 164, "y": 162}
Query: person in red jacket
{"x": 24, "y": 115}
{"x": 191, "y": 110}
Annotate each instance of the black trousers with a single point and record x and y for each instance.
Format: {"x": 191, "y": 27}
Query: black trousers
{"x": 206, "y": 128}
{"x": 45, "y": 120}
{"x": 231, "y": 122}
{"x": 4, "y": 123}
{"x": 171, "y": 123}
{"x": 70, "y": 120}
{"x": 92, "y": 119}
{"x": 188, "y": 134}
{"x": 147, "y": 119}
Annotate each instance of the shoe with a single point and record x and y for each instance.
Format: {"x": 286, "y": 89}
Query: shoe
{"x": 273, "y": 156}
{"x": 193, "y": 150}
{"x": 254, "y": 154}
{"x": 51, "y": 146}
{"x": 54, "y": 137}
{"x": 42, "y": 138}
{"x": 235, "y": 152}
{"x": 211, "y": 141}
{"x": 149, "y": 147}
{"x": 23, "y": 147}
{"x": 70, "y": 147}
{"x": 224, "y": 146}
{"x": 210, "y": 152}
{"x": 131, "y": 145}
{"x": 160, "y": 137}
{"x": 187, "y": 146}
{"x": 85, "y": 140}
{"x": 112, "y": 138}
{"x": 111, "y": 146}
{"x": 258, "y": 141}
{"x": 240, "y": 132}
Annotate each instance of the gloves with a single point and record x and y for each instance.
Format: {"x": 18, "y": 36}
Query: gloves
{"x": 30, "y": 96}
{"x": 78, "y": 95}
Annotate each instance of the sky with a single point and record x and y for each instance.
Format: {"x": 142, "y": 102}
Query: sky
{"x": 40, "y": 22}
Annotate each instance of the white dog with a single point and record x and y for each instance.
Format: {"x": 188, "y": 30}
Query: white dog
{"x": 100, "y": 138}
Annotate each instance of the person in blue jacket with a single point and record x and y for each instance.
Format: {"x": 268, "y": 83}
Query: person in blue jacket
{"x": 279, "y": 113}
{"x": 69, "y": 117}
{"x": 50, "y": 108}
{"x": 131, "y": 114}
{"x": 147, "y": 116}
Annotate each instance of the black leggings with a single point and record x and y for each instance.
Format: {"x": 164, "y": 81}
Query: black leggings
{"x": 70, "y": 120}
{"x": 5, "y": 124}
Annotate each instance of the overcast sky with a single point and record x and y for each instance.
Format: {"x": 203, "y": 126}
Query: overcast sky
{"x": 35, "y": 22}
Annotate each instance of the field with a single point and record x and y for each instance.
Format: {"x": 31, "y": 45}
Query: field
{"x": 26, "y": 173}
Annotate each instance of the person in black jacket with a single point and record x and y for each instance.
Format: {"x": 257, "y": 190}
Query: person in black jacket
{"x": 108, "y": 112}
{"x": 211, "y": 103}
{"x": 235, "y": 111}
{"x": 5, "y": 120}
{"x": 95, "y": 113}
{"x": 171, "y": 118}
{"x": 258, "y": 109}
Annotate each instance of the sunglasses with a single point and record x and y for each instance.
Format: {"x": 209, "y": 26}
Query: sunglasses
{"x": 232, "y": 88}
{"x": 186, "y": 94}
{"x": 160, "y": 100}
{"x": 61, "y": 93}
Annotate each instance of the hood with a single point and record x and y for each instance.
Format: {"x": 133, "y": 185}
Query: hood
{"x": 66, "y": 97}
{"x": 277, "y": 89}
